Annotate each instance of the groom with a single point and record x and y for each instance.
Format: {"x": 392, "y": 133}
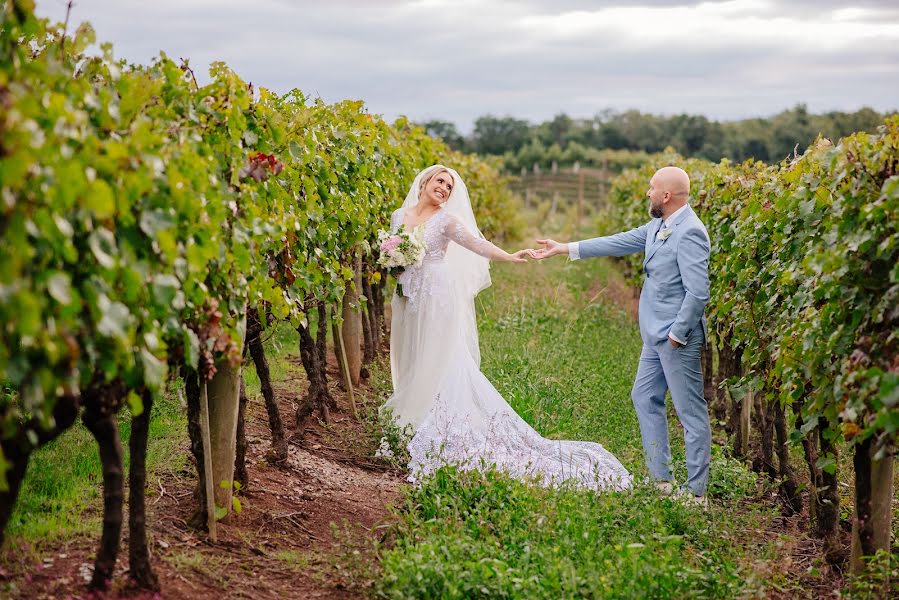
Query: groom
{"x": 672, "y": 323}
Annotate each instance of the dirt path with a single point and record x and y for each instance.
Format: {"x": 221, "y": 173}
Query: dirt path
{"x": 301, "y": 525}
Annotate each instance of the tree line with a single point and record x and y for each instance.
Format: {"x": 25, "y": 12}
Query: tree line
{"x": 599, "y": 141}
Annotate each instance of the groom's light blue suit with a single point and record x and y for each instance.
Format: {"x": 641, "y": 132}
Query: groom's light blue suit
{"x": 672, "y": 302}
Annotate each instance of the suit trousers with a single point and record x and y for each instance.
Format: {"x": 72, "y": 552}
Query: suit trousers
{"x": 678, "y": 370}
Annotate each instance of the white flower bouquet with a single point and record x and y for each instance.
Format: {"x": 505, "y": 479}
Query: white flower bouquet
{"x": 400, "y": 250}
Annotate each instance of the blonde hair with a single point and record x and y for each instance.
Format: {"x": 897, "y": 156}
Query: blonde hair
{"x": 426, "y": 180}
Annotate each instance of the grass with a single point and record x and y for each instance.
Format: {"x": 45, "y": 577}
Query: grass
{"x": 564, "y": 362}
{"x": 215, "y": 568}
{"x": 485, "y": 535}
{"x": 61, "y": 495}
{"x": 296, "y": 561}
{"x": 565, "y": 359}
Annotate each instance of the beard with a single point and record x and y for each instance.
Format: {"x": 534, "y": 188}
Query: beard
{"x": 655, "y": 211}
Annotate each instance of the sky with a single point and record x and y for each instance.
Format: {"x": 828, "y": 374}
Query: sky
{"x": 456, "y": 60}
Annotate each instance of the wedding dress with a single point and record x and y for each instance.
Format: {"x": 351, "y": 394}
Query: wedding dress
{"x": 456, "y": 414}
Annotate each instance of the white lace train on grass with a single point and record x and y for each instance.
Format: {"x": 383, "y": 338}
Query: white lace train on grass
{"x": 457, "y": 416}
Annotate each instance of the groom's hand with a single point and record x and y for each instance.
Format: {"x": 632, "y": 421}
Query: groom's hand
{"x": 550, "y": 248}
{"x": 674, "y": 342}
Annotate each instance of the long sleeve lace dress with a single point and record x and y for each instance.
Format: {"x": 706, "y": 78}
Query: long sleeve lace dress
{"x": 457, "y": 416}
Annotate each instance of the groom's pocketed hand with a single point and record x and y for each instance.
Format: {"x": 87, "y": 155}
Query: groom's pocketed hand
{"x": 550, "y": 248}
{"x": 674, "y": 342}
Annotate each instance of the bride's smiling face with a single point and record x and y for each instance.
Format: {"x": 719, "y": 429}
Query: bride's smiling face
{"x": 438, "y": 188}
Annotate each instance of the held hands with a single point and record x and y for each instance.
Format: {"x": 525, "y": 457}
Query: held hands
{"x": 550, "y": 248}
{"x": 522, "y": 255}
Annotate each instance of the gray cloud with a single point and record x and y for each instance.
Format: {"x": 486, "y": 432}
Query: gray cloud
{"x": 461, "y": 59}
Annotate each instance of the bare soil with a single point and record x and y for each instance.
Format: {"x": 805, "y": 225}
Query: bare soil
{"x": 308, "y": 528}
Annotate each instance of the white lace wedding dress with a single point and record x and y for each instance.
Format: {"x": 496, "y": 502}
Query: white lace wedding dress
{"x": 457, "y": 416}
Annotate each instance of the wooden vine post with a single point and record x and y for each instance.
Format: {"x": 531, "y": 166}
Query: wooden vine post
{"x": 224, "y": 401}
{"x": 352, "y": 323}
{"x": 344, "y": 366}
{"x": 207, "y": 482}
{"x": 580, "y": 201}
{"x": 745, "y": 419}
{"x": 872, "y": 525}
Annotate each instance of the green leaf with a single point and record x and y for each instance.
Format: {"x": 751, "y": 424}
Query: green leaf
{"x": 154, "y": 369}
{"x": 115, "y": 320}
{"x": 165, "y": 288}
{"x": 220, "y": 512}
{"x": 63, "y": 225}
{"x": 235, "y": 504}
{"x": 4, "y": 467}
{"x": 154, "y": 221}
{"x": 102, "y": 244}
{"x": 100, "y": 199}
{"x": 808, "y": 424}
{"x": 191, "y": 348}
{"x": 135, "y": 403}
{"x": 889, "y": 390}
{"x": 59, "y": 285}
{"x": 827, "y": 464}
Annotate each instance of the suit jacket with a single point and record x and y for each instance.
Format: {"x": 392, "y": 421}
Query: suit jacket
{"x": 676, "y": 288}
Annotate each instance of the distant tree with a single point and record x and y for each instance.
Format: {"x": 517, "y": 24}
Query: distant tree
{"x": 689, "y": 134}
{"x": 576, "y": 153}
{"x": 837, "y": 124}
{"x": 496, "y": 135}
{"x": 611, "y": 135}
{"x": 791, "y": 130}
{"x": 445, "y": 131}
{"x": 643, "y": 132}
{"x": 752, "y": 147}
{"x": 530, "y": 153}
{"x": 558, "y": 131}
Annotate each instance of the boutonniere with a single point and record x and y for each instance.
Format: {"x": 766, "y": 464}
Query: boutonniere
{"x": 664, "y": 233}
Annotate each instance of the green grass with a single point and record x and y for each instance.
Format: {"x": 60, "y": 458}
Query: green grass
{"x": 565, "y": 364}
{"x": 473, "y": 534}
{"x": 565, "y": 358}
{"x": 61, "y": 495}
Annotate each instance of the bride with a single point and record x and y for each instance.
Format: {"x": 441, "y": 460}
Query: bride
{"x": 455, "y": 413}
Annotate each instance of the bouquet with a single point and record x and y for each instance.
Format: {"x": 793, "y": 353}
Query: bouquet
{"x": 400, "y": 250}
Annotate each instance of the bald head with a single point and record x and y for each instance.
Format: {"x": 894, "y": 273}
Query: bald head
{"x": 669, "y": 190}
{"x": 672, "y": 179}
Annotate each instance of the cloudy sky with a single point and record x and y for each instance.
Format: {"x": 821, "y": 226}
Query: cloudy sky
{"x": 459, "y": 59}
